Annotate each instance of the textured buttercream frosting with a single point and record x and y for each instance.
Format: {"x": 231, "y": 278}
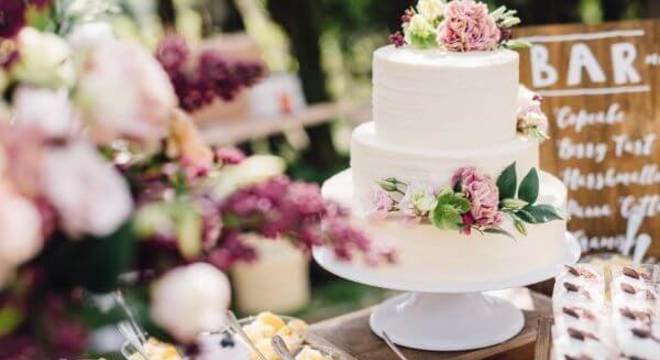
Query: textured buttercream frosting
{"x": 374, "y": 159}
{"x": 433, "y": 99}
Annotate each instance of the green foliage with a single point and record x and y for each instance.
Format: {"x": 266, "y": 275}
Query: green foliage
{"x": 529, "y": 187}
{"x": 10, "y": 318}
{"x": 507, "y": 182}
{"x": 447, "y": 212}
{"x": 93, "y": 262}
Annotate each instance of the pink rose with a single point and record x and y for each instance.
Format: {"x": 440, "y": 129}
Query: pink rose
{"x": 468, "y": 27}
{"x": 483, "y": 194}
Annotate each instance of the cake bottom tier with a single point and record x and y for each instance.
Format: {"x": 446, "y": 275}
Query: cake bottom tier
{"x": 430, "y": 258}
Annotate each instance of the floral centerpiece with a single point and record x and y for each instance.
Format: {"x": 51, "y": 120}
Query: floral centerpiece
{"x": 105, "y": 182}
{"x": 458, "y": 26}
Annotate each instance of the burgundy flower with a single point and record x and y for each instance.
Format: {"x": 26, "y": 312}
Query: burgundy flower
{"x": 231, "y": 250}
{"x": 12, "y": 17}
{"x": 212, "y": 75}
{"x": 398, "y": 39}
{"x": 172, "y": 53}
{"x": 39, "y": 4}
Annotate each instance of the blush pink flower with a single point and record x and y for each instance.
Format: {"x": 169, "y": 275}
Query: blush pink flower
{"x": 468, "y": 27}
{"x": 483, "y": 194}
{"x": 382, "y": 203}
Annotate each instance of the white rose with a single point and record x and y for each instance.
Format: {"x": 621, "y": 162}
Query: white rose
{"x": 45, "y": 60}
{"x": 88, "y": 193}
{"x": 431, "y": 9}
{"x": 250, "y": 171}
{"x": 20, "y": 229}
{"x": 189, "y": 300}
{"x": 48, "y": 109}
{"x": 88, "y": 35}
{"x": 124, "y": 92}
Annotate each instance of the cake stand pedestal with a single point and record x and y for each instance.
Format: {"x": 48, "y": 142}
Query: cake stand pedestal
{"x": 439, "y": 317}
{"x": 447, "y": 322}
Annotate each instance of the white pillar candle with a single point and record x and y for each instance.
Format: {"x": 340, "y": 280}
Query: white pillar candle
{"x": 278, "y": 281}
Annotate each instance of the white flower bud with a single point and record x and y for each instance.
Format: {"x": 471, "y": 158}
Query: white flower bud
{"x": 189, "y": 300}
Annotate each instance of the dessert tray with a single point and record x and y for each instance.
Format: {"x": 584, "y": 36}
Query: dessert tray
{"x": 433, "y": 314}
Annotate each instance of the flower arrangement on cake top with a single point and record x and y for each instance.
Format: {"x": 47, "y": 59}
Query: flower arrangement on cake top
{"x": 458, "y": 26}
{"x": 473, "y": 201}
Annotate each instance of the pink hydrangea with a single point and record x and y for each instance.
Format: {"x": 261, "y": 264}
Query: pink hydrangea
{"x": 468, "y": 27}
{"x": 483, "y": 194}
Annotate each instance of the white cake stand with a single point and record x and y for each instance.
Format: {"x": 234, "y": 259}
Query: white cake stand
{"x": 437, "y": 316}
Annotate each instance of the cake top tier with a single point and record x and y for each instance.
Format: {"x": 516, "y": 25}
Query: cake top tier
{"x": 457, "y": 26}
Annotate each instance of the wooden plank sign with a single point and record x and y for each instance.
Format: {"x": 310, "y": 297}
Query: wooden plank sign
{"x": 601, "y": 89}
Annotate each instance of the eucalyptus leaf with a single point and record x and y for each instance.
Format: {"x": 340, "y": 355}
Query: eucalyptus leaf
{"x": 529, "y": 187}
{"x": 507, "y": 182}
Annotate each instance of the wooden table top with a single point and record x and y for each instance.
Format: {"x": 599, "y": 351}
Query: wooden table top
{"x": 352, "y": 334}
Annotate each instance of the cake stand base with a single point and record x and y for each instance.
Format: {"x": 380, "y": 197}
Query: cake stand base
{"x": 447, "y": 322}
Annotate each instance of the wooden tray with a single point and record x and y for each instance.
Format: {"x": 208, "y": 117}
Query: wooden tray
{"x": 351, "y": 333}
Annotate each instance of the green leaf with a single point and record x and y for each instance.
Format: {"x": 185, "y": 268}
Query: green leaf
{"x": 446, "y": 217}
{"x": 529, "y": 187}
{"x": 517, "y": 44}
{"x": 513, "y": 204}
{"x": 93, "y": 262}
{"x": 520, "y": 227}
{"x": 10, "y": 319}
{"x": 507, "y": 182}
{"x": 543, "y": 213}
{"x": 525, "y": 216}
{"x": 499, "y": 231}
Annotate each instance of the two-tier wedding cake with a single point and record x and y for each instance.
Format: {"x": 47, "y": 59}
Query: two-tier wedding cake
{"x": 447, "y": 169}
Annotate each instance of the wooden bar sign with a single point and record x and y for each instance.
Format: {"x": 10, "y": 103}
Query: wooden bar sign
{"x": 601, "y": 90}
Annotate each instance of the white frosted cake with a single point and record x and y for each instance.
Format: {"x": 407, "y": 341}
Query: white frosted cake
{"x": 434, "y": 172}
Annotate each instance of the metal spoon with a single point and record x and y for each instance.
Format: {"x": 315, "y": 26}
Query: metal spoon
{"x": 233, "y": 323}
{"x": 280, "y": 348}
{"x": 392, "y": 346}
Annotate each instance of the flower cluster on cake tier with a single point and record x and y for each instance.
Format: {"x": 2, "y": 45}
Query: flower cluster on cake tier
{"x": 473, "y": 201}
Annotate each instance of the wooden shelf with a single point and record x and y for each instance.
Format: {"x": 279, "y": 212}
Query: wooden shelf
{"x": 237, "y": 131}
